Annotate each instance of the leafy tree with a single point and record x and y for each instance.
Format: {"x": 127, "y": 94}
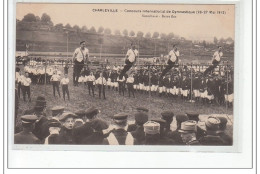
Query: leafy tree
{"x": 140, "y": 34}
{"x": 125, "y": 32}
{"x": 132, "y": 33}
{"x": 58, "y": 27}
{"x": 148, "y": 35}
{"x": 215, "y": 40}
{"x": 100, "y": 29}
{"x": 68, "y": 26}
{"x": 117, "y": 32}
{"x": 76, "y": 27}
{"x": 170, "y": 35}
{"x": 38, "y": 19}
{"x": 84, "y": 29}
{"x": 29, "y": 18}
{"x": 163, "y": 36}
{"x": 204, "y": 43}
{"x": 107, "y": 31}
{"x": 155, "y": 35}
{"x": 92, "y": 30}
{"x": 45, "y": 18}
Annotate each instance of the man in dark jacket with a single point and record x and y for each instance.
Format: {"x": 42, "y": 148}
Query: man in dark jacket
{"x": 26, "y": 136}
{"x": 119, "y": 136}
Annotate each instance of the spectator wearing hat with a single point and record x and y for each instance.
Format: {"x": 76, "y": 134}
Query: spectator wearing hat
{"x": 82, "y": 133}
{"x": 132, "y": 127}
{"x": 138, "y": 133}
{"x": 222, "y": 131}
{"x": 26, "y": 136}
{"x": 79, "y": 57}
{"x": 168, "y": 117}
{"x": 54, "y": 129}
{"x": 120, "y": 136}
{"x": 163, "y": 139}
{"x": 57, "y": 111}
{"x": 65, "y": 86}
{"x": 212, "y": 137}
{"x": 188, "y": 132}
{"x": 92, "y": 132}
{"x": 152, "y": 133}
{"x": 55, "y": 79}
{"x": 175, "y": 135}
{"x": 195, "y": 116}
{"x": 41, "y": 126}
{"x": 66, "y": 136}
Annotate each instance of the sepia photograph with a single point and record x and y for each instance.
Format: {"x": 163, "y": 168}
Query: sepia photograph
{"x": 124, "y": 74}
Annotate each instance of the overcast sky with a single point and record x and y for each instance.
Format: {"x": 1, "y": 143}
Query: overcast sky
{"x": 190, "y": 26}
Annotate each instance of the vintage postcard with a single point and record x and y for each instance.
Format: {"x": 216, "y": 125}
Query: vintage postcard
{"x": 109, "y": 75}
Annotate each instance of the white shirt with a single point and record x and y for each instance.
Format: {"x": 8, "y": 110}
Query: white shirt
{"x": 55, "y": 77}
{"x": 132, "y": 54}
{"x": 65, "y": 81}
{"x": 91, "y": 78}
{"x": 130, "y": 80}
{"x": 80, "y": 54}
{"x": 99, "y": 81}
{"x": 26, "y": 81}
{"x": 121, "y": 80}
{"x": 217, "y": 55}
{"x": 173, "y": 55}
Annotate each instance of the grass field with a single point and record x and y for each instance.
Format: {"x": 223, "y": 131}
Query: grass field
{"x": 115, "y": 103}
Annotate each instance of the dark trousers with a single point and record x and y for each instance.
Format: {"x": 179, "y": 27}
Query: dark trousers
{"x": 65, "y": 89}
{"x": 130, "y": 88}
{"x": 26, "y": 90}
{"x": 125, "y": 69}
{"x": 55, "y": 84}
{"x": 76, "y": 71}
{"x": 100, "y": 87}
{"x": 19, "y": 89}
{"x": 90, "y": 88}
{"x": 121, "y": 86}
{"x": 211, "y": 67}
{"x": 168, "y": 67}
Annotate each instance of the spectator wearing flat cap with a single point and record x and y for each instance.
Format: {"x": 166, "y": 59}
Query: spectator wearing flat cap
{"x": 188, "y": 132}
{"x": 168, "y": 117}
{"x": 66, "y": 134}
{"x": 92, "y": 129}
{"x": 91, "y": 133}
{"x": 212, "y": 137}
{"x": 132, "y": 127}
{"x": 26, "y": 136}
{"x": 152, "y": 133}
{"x": 163, "y": 139}
{"x": 138, "y": 133}
{"x": 175, "y": 135}
{"x": 222, "y": 131}
{"x": 120, "y": 136}
{"x": 41, "y": 126}
{"x": 54, "y": 129}
{"x": 56, "y": 111}
{"x": 195, "y": 116}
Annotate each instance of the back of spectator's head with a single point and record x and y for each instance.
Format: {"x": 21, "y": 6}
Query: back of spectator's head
{"x": 212, "y": 123}
{"x": 181, "y": 118}
{"x": 120, "y": 119}
{"x": 223, "y": 122}
{"x": 141, "y": 118}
